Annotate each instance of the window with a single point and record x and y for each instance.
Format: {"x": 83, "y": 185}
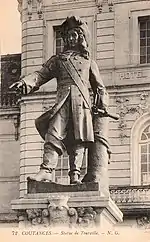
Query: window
{"x": 144, "y": 39}
{"x": 59, "y": 40}
{"x": 62, "y": 169}
{"x": 145, "y": 156}
{"x": 140, "y": 150}
{"x": 61, "y": 172}
{"x": 10, "y": 73}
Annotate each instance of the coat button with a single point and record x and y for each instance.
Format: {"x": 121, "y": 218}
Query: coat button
{"x": 79, "y": 69}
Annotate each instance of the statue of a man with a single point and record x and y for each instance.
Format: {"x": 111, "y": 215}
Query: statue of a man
{"x": 68, "y": 125}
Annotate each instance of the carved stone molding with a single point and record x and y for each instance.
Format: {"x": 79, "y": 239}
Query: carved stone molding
{"x": 110, "y": 5}
{"x": 39, "y": 4}
{"x": 58, "y": 213}
{"x": 29, "y": 6}
{"x": 34, "y": 216}
{"x": 20, "y": 6}
{"x": 55, "y": 216}
{"x": 99, "y": 4}
{"x": 39, "y": 7}
{"x": 86, "y": 216}
{"x": 144, "y": 104}
{"x": 57, "y": 210}
{"x": 143, "y": 222}
{"x": 106, "y": 5}
{"x": 125, "y": 106}
{"x": 122, "y": 106}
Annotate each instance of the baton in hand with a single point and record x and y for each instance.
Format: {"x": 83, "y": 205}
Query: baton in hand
{"x": 19, "y": 87}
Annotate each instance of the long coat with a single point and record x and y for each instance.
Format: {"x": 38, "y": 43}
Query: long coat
{"x": 88, "y": 71}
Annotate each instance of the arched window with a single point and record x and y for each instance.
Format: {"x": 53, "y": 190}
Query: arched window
{"x": 140, "y": 151}
{"x": 145, "y": 156}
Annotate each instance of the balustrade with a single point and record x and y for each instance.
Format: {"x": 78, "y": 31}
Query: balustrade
{"x": 130, "y": 194}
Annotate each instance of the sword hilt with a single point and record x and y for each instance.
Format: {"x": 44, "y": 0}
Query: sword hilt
{"x": 104, "y": 113}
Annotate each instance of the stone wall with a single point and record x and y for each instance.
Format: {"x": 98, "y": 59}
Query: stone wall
{"x": 9, "y": 137}
{"x": 9, "y": 163}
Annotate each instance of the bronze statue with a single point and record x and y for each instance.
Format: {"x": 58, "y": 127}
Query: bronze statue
{"x": 68, "y": 126}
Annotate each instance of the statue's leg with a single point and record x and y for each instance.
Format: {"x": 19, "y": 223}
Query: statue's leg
{"x": 53, "y": 146}
{"x": 76, "y": 156}
{"x": 98, "y": 154}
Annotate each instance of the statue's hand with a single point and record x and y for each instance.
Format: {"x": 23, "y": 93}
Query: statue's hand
{"x": 19, "y": 87}
{"x": 101, "y": 99}
{"x": 104, "y": 98}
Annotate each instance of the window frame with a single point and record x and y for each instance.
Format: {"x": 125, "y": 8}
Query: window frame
{"x": 134, "y": 34}
{"x": 146, "y": 143}
{"x": 136, "y": 132}
{"x": 144, "y": 19}
{"x": 55, "y": 29}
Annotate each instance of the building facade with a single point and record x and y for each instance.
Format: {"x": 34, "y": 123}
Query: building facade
{"x": 9, "y": 137}
{"x": 120, "y": 33}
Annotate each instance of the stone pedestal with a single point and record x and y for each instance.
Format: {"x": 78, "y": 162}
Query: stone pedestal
{"x": 75, "y": 209}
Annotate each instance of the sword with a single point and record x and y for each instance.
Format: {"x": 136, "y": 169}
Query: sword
{"x": 104, "y": 113}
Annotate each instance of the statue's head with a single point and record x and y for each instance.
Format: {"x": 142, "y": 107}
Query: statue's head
{"x": 75, "y": 34}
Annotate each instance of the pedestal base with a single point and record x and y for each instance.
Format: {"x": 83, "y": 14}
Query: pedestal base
{"x": 67, "y": 209}
{"x": 52, "y": 187}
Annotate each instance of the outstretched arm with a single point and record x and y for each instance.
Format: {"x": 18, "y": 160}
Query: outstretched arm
{"x": 33, "y": 81}
{"x": 47, "y": 72}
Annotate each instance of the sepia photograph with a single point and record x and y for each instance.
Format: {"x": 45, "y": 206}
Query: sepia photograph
{"x": 75, "y": 120}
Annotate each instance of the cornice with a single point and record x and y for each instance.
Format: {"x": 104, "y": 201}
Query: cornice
{"x": 20, "y": 6}
{"x": 129, "y": 1}
{"x": 29, "y": 4}
{"x": 102, "y": 5}
{"x": 19, "y": 1}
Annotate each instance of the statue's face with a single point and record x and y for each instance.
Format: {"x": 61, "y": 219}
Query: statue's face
{"x": 72, "y": 38}
{"x": 75, "y": 39}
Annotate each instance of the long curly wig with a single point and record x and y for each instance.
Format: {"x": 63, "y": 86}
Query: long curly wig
{"x": 81, "y": 27}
